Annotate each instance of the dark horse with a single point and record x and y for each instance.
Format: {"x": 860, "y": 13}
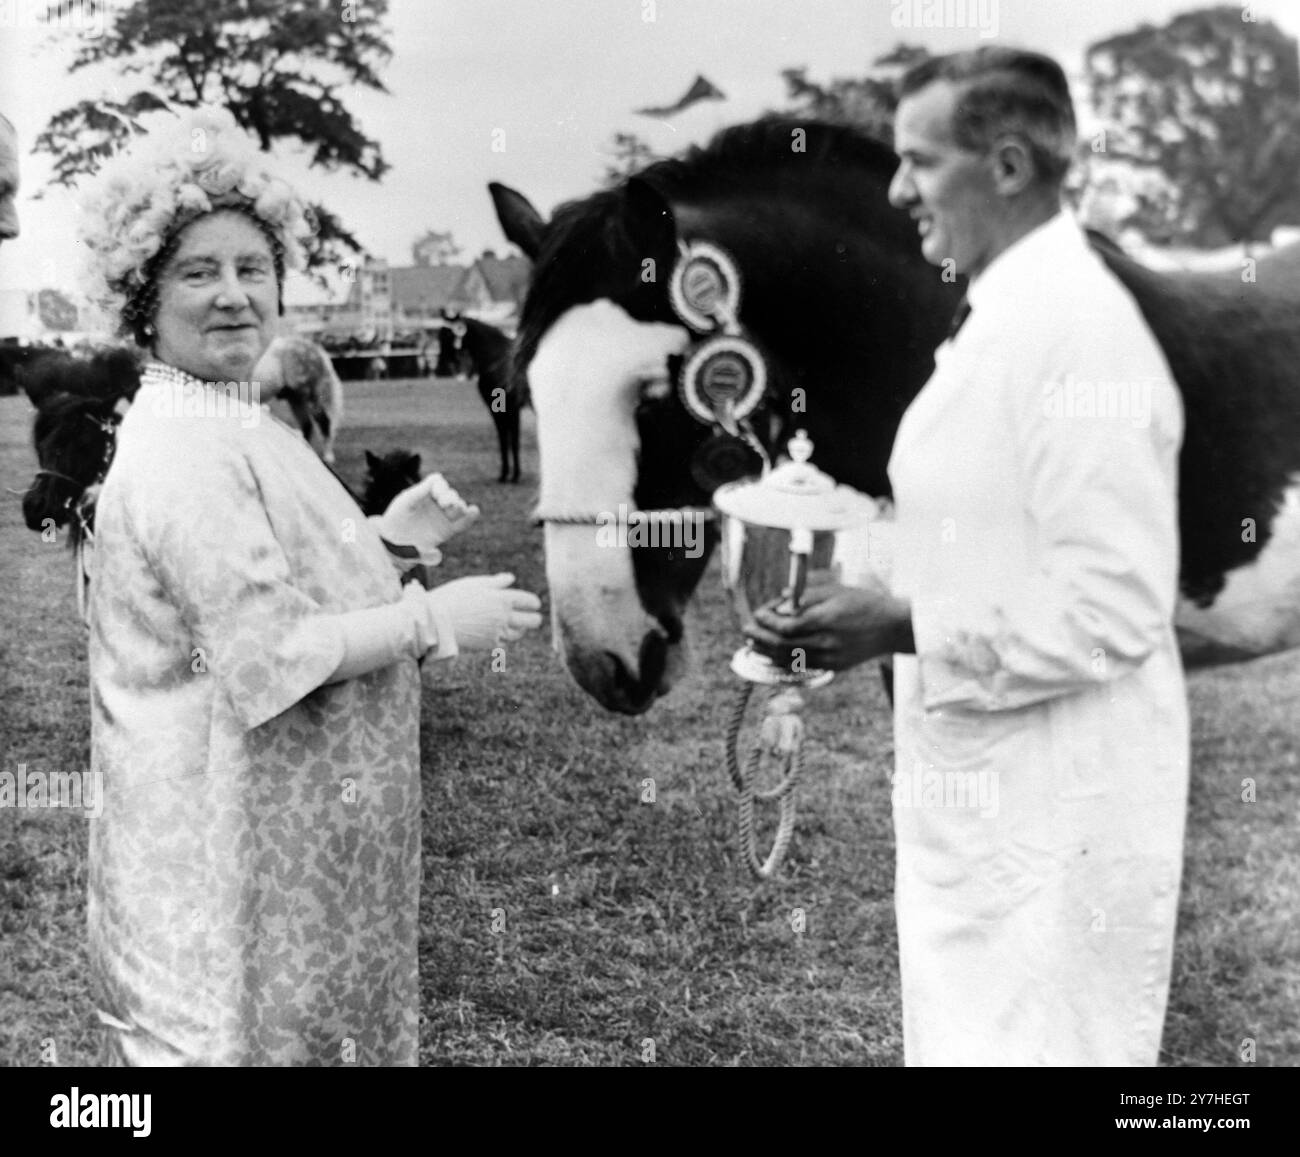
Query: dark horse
{"x": 79, "y": 403}
{"x": 388, "y": 476}
{"x": 487, "y": 350}
{"x": 846, "y": 311}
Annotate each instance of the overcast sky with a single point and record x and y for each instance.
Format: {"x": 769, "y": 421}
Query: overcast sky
{"x": 551, "y": 80}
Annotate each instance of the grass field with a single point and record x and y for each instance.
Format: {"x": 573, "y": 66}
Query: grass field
{"x": 627, "y": 922}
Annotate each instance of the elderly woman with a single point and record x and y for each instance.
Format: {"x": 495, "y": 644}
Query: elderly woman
{"x": 254, "y": 878}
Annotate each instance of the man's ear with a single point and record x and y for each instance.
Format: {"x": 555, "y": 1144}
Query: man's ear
{"x": 1013, "y": 165}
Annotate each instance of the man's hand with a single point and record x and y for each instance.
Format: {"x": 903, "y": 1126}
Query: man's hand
{"x": 837, "y": 628}
{"x": 425, "y": 515}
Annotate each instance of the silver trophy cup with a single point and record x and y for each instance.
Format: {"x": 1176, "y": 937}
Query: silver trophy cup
{"x": 776, "y": 532}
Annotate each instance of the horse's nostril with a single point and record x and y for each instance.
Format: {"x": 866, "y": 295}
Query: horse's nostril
{"x": 633, "y": 694}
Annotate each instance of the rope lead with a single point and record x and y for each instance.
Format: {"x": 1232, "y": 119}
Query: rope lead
{"x": 781, "y": 734}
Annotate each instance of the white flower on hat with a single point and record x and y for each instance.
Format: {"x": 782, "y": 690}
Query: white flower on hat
{"x": 189, "y": 164}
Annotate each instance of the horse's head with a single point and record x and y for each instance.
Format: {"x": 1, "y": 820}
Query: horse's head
{"x": 78, "y": 403}
{"x": 451, "y": 343}
{"x": 388, "y": 477}
{"x": 835, "y": 295}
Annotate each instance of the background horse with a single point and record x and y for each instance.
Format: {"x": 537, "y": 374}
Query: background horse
{"x": 79, "y": 402}
{"x": 486, "y": 350}
{"x": 848, "y": 314}
{"x": 300, "y": 373}
{"x": 388, "y": 476}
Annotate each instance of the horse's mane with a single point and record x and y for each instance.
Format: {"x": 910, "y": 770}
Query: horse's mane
{"x": 767, "y": 150}
{"x": 106, "y": 375}
{"x": 764, "y": 155}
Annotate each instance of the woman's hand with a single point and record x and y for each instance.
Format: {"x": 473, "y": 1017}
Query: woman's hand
{"x": 426, "y": 515}
{"x": 837, "y": 627}
{"x": 482, "y": 611}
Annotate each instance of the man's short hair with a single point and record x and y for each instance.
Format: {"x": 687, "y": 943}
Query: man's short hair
{"x": 1006, "y": 91}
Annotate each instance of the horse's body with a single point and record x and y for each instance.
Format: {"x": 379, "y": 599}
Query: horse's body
{"x": 848, "y": 314}
{"x": 486, "y": 349}
{"x": 300, "y": 373}
{"x": 79, "y": 402}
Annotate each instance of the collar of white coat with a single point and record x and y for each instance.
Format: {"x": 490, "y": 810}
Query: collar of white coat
{"x": 1040, "y": 254}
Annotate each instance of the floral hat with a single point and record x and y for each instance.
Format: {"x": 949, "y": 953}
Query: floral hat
{"x": 189, "y": 165}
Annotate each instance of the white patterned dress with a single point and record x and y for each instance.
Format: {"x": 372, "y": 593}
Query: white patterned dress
{"x": 254, "y": 878}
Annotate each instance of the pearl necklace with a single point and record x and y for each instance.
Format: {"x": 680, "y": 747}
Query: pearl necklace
{"x": 161, "y": 374}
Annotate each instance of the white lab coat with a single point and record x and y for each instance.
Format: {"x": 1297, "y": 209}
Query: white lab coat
{"x": 1041, "y": 728}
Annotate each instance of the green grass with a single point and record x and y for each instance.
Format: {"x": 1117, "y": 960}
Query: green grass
{"x": 625, "y": 921}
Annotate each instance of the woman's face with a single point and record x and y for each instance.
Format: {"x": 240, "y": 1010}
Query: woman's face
{"x": 218, "y": 300}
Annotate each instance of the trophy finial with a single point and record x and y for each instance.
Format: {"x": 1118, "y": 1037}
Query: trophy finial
{"x": 800, "y": 447}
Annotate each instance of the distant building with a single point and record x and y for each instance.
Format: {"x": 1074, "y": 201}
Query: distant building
{"x": 385, "y": 300}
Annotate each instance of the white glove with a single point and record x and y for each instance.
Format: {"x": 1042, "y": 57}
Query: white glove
{"x": 424, "y": 516}
{"x": 377, "y": 637}
{"x": 480, "y": 612}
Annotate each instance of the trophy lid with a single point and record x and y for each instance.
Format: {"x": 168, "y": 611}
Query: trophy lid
{"x": 796, "y": 496}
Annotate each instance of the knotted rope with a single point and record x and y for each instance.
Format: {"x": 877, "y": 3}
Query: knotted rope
{"x": 781, "y": 734}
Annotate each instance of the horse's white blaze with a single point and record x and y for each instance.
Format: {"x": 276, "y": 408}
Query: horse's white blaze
{"x": 585, "y": 380}
{"x": 1258, "y": 610}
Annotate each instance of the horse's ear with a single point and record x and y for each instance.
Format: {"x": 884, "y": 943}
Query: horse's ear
{"x": 415, "y": 463}
{"x": 650, "y": 218}
{"x": 521, "y": 223}
{"x": 373, "y": 462}
{"x": 44, "y": 378}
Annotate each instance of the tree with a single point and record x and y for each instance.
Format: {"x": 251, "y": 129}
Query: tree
{"x": 434, "y": 248}
{"x": 1207, "y": 109}
{"x": 867, "y": 102}
{"x": 277, "y": 65}
{"x": 628, "y": 154}
{"x": 56, "y": 310}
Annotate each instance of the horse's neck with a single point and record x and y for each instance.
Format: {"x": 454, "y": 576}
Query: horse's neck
{"x": 841, "y": 382}
{"x": 483, "y": 344}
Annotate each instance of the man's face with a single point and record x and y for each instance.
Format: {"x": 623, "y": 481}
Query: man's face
{"x": 8, "y": 182}
{"x": 947, "y": 190}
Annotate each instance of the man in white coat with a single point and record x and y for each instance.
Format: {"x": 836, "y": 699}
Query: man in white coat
{"x": 1041, "y": 734}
